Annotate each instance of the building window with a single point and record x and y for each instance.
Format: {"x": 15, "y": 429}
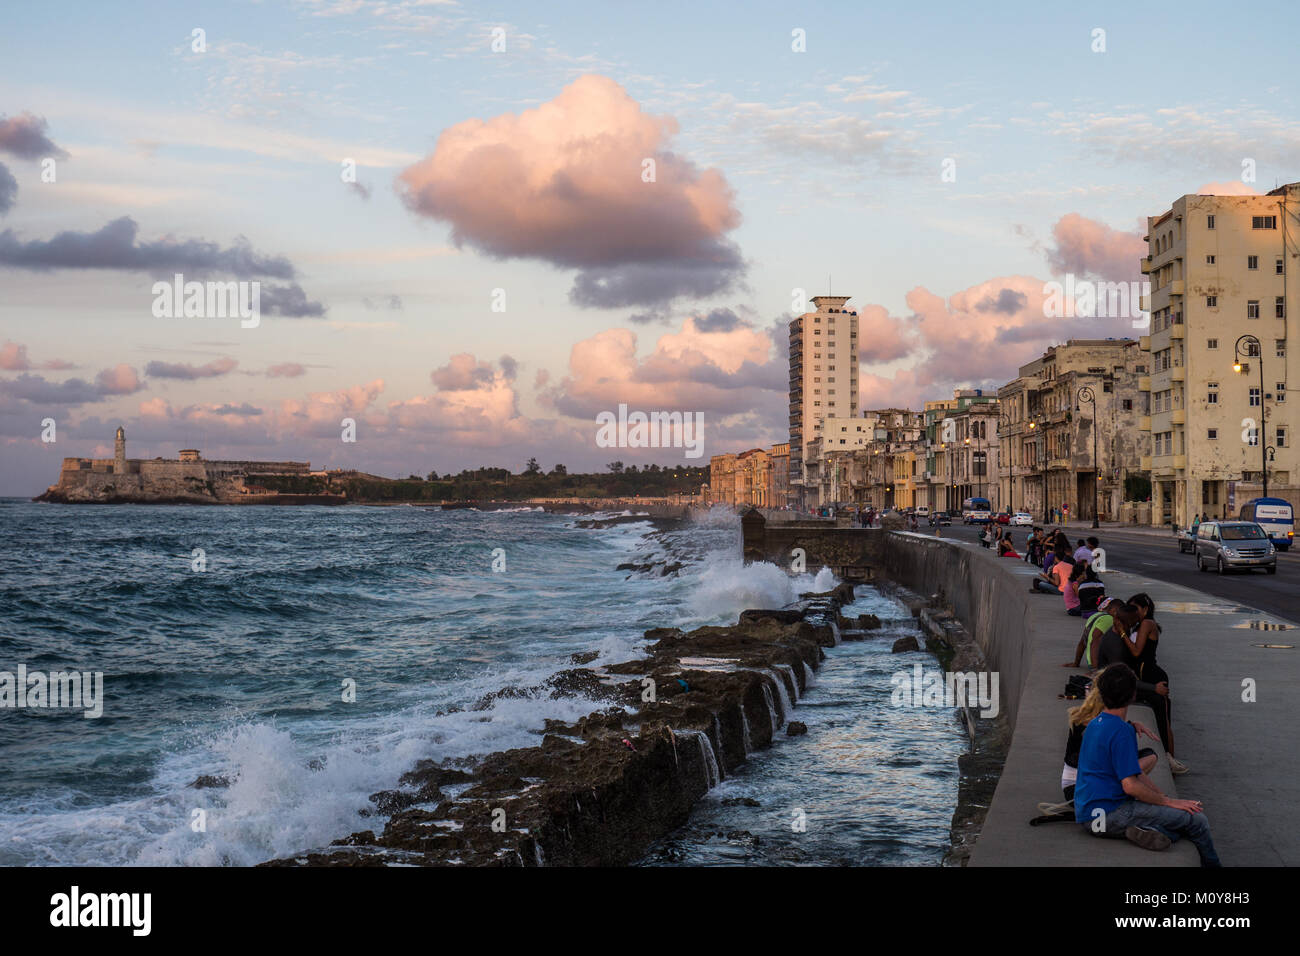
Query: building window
{"x": 1211, "y": 343}
{"x": 1212, "y": 396}
{"x": 1281, "y": 438}
{"x": 1252, "y": 309}
{"x": 1107, "y": 387}
{"x": 1252, "y": 262}
{"x": 1279, "y": 307}
{"x": 1281, "y": 391}
{"x": 1254, "y": 396}
{"x": 1252, "y": 436}
{"x": 1263, "y": 222}
{"x": 1280, "y": 267}
{"x": 1209, "y": 260}
{"x": 1211, "y": 301}
{"x": 1209, "y": 222}
{"x": 1281, "y": 347}
{"x": 1212, "y": 434}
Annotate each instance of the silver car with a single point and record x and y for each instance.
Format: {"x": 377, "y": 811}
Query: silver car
{"x": 1225, "y": 545}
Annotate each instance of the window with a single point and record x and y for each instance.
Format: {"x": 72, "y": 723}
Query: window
{"x": 1280, "y": 267}
{"x": 1252, "y": 309}
{"x": 1263, "y": 222}
{"x": 1279, "y": 307}
{"x": 1281, "y": 391}
{"x": 1252, "y": 436}
{"x": 1107, "y": 387}
{"x": 1211, "y": 343}
{"x": 1280, "y": 344}
{"x": 1254, "y": 396}
{"x": 1128, "y": 404}
{"x": 1252, "y": 262}
{"x": 1209, "y": 222}
{"x": 1209, "y": 260}
{"x": 1212, "y": 434}
{"x": 1281, "y": 438}
{"x": 1211, "y": 301}
{"x": 1212, "y": 396}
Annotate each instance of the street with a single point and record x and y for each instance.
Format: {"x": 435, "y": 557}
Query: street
{"x": 1155, "y": 554}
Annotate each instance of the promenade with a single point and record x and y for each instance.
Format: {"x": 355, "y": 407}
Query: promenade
{"x": 1239, "y": 751}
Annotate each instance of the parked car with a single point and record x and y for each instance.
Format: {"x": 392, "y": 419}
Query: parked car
{"x": 1023, "y": 518}
{"x": 922, "y": 512}
{"x": 1003, "y": 517}
{"x": 1227, "y": 545}
{"x": 940, "y": 518}
{"x": 1186, "y": 541}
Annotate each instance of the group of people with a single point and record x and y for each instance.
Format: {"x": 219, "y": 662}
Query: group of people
{"x": 1105, "y": 776}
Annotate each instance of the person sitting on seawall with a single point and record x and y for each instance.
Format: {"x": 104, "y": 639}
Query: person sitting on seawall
{"x": 1046, "y": 582}
{"x": 1062, "y": 545}
{"x": 1078, "y": 718}
{"x": 1005, "y": 548}
{"x": 1142, "y": 644}
{"x": 1115, "y": 648}
{"x": 1098, "y": 623}
{"x": 1113, "y": 797}
{"x": 1091, "y": 590}
{"x": 1034, "y": 546}
{"x": 1070, "y": 586}
{"x": 1084, "y": 552}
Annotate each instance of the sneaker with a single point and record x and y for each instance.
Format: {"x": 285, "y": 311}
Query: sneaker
{"x": 1176, "y": 766}
{"x": 1147, "y": 839}
{"x": 1057, "y": 809}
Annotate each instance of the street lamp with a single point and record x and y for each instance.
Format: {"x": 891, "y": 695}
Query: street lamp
{"x": 1237, "y": 366}
{"x": 1086, "y": 394}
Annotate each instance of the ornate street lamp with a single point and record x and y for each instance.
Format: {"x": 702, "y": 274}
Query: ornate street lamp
{"x": 1086, "y": 394}
{"x": 1237, "y": 366}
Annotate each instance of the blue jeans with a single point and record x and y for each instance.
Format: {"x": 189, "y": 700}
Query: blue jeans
{"x": 1172, "y": 823}
{"x": 1041, "y": 585}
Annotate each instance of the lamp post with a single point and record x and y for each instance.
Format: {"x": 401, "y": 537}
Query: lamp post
{"x": 1040, "y": 449}
{"x": 1086, "y": 394}
{"x": 1237, "y": 366}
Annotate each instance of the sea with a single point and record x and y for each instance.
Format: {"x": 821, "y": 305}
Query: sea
{"x": 310, "y": 656}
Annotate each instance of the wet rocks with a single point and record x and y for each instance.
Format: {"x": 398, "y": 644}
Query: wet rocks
{"x": 692, "y": 709}
{"x": 904, "y": 644}
{"x": 205, "y": 781}
{"x": 797, "y": 728}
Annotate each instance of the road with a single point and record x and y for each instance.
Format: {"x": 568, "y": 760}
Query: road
{"x": 1156, "y": 555}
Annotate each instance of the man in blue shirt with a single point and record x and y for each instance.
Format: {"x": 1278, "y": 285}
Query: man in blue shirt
{"x": 1113, "y": 797}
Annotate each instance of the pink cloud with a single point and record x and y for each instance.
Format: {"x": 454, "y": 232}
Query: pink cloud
{"x": 118, "y": 380}
{"x": 286, "y": 370}
{"x": 13, "y": 358}
{"x": 1233, "y": 187}
{"x": 1086, "y": 247}
{"x": 563, "y": 183}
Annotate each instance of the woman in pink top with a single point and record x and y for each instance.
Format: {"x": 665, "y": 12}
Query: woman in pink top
{"x": 1063, "y": 573}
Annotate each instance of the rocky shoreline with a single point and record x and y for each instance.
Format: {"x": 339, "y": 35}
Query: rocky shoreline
{"x": 598, "y": 792}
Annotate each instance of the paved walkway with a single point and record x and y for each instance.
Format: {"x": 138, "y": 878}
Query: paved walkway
{"x": 1241, "y": 753}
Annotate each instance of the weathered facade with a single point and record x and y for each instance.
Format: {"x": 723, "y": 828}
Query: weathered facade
{"x": 1221, "y": 306}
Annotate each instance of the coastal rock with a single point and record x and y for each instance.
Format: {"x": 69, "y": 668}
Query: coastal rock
{"x": 796, "y": 729}
{"x": 205, "y": 781}
{"x": 908, "y": 643}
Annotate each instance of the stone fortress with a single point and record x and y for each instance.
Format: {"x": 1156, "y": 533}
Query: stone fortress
{"x": 187, "y": 479}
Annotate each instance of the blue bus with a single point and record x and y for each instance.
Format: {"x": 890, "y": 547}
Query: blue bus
{"x": 976, "y": 511}
{"x": 1275, "y": 516}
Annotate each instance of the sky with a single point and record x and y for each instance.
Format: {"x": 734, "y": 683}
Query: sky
{"x": 475, "y": 227}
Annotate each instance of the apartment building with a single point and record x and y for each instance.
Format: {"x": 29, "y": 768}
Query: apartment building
{"x": 823, "y": 383}
{"x": 1221, "y": 423}
{"x": 756, "y": 477}
{"x": 1070, "y": 429}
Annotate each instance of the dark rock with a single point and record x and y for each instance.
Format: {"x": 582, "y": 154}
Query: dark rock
{"x": 868, "y": 622}
{"x": 586, "y": 657}
{"x": 741, "y": 802}
{"x": 784, "y": 616}
{"x": 209, "y": 780}
{"x": 796, "y": 728}
{"x": 908, "y": 643}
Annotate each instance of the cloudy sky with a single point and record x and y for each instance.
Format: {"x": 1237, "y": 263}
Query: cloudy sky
{"x": 502, "y": 266}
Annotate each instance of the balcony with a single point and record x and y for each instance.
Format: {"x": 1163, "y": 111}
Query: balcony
{"x": 1178, "y": 331}
{"x": 1144, "y": 423}
{"x": 1144, "y": 463}
{"x": 1178, "y": 374}
{"x": 1144, "y": 303}
{"x": 1144, "y": 343}
{"x": 1178, "y": 416}
{"x": 1177, "y": 287}
{"x": 1144, "y": 383}
{"x": 1146, "y": 265}
{"x": 1180, "y": 462}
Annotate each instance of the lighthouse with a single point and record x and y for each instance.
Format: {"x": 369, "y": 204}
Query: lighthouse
{"x": 119, "y": 452}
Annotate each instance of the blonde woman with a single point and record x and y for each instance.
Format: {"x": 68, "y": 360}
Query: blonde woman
{"x": 1077, "y": 718}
